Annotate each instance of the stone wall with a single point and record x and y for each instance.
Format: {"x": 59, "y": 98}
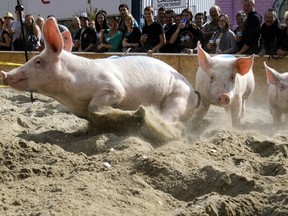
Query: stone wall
{"x": 185, "y": 64}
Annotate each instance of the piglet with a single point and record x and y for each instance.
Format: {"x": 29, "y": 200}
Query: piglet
{"x": 224, "y": 81}
{"x": 84, "y": 85}
{"x": 277, "y": 93}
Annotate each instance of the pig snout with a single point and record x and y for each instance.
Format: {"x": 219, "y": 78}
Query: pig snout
{"x": 223, "y": 99}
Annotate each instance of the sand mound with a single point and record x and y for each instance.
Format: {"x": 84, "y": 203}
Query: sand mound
{"x": 52, "y": 164}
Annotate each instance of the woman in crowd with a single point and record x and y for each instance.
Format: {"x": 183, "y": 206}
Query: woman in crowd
{"x": 32, "y": 33}
{"x": 5, "y": 39}
{"x": 132, "y": 34}
{"x": 101, "y": 24}
{"x": 223, "y": 41}
{"x": 111, "y": 39}
{"x": 40, "y": 22}
{"x": 240, "y": 19}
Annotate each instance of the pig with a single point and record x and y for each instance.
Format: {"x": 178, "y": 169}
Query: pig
{"x": 225, "y": 81}
{"x": 89, "y": 85}
{"x": 277, "y": 93}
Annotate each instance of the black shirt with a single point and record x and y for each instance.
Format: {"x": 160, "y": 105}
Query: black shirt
{"x": 87, "y": 37}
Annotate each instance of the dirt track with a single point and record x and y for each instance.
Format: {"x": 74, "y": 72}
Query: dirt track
{"x": 50, "y": 166}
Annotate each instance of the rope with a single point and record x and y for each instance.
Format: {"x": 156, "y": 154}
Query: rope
{"x": 10, "y": 64}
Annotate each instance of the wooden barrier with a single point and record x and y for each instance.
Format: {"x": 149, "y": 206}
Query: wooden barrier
{"x": 185, "y": 64}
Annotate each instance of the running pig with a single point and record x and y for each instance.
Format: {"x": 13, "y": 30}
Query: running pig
{"x": 84, "y": 85}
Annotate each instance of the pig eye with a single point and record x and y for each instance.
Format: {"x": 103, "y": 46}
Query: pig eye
{"x": 282, "y": 87}
{"x": 38, "y": 61}
{"x": 212, "y": 79}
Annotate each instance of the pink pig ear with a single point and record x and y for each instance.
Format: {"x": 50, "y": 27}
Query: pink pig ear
{"x": 52, "y": 36}
{"x": 244, "y": 64}
{"x": 272, "y": 75}
{"x": 67, "y": 41}
{"x": 204, "y": 59}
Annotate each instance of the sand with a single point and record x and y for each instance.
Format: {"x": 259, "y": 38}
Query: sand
{"x": 51, "y": 163}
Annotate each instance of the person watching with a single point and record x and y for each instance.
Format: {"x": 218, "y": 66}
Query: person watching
{"x": 223, "y": 41}
{"x": 85, "y": 39}
{"x": 210, "y": 27}
{"x": 187, "y": 34}
{"x": 251, "y": 30}
{"x": 269, "y": 31}
{"x": 123, "y": 11}
{"x": 238, "y": 31}
{"x": 153, "y": 37}
{"x": 111, "y": 40}
{"x": 131, "y": 33}
{"x": 282, "y": 38}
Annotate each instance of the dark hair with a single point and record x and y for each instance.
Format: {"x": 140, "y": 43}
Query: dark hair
{"x": 162, "y": 9}
{"x": 114, "y": 18}
{"x": 187, "y": 10}
{"x": 105, "y": 24}
{"x": 123, "y": 5}
{"x": 171, "y": 12}
{"x": 241, "y": 14}
{"x": 199, "y": 14}
{"x": 103, "y": 12}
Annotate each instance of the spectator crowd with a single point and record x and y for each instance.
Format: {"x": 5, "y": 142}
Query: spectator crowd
{"x": 167, "y": 32}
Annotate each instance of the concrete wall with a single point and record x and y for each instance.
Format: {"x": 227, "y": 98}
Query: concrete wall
{"x": 185, "y": 64}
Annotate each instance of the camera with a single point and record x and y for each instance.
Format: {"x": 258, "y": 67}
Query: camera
{"x": 19, "y": 8}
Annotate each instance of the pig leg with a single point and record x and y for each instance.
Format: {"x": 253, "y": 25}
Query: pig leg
{"x": 243, "y": 109}
{"x": 276, "y": 116}
{"x": 104, "y": 99}
{"x": 174, "y": 106}
{"x": 109, "y": 94}
{"x": 236, "y": 109}
{"x": 201, "y": 111}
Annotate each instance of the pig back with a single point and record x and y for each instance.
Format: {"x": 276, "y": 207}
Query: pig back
{"x": 146, "y": 80}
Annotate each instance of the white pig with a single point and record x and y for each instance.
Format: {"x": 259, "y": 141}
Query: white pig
{"x": 277, "y": 93}
{"x": 85, "y": 85}
{"x": 224, "y": 81}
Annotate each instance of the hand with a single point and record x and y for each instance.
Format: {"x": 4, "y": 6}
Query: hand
{"x": 143, "y": 38}
{"x": 219, "y": 51}
{"x": 209, "y": 46}
{"x": 125, "y": 43}
{"x": 149, "y": 52}
{"x": 100, "y": 46}
{"x": 188, "y": 51}
{"x": 238, "y": 38}
{"x": 281, "y": 52}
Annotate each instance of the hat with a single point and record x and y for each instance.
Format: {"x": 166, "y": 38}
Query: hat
{"x": 9, "y": 15}
{"x": 84, "y": 15}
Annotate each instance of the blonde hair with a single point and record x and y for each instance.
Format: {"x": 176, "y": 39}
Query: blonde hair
{"x": 129, "y": 16}
{"x": 30, "y": 16}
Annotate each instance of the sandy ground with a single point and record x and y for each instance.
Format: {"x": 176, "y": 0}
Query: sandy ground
{"x": 50, "y": 164}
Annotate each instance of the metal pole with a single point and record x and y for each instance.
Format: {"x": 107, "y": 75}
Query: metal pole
{"x": 20, "y": 9}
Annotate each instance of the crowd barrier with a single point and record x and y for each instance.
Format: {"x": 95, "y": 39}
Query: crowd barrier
{"x": 184, "y": 63}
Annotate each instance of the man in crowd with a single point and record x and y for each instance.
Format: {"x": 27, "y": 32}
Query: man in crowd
{"x": 251, "y": 30}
